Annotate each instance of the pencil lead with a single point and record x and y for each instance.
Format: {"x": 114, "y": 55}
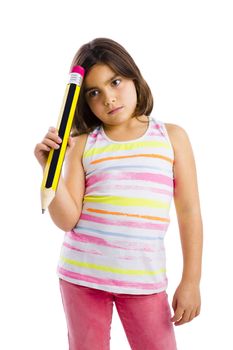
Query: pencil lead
{"x": 43, "y": 211}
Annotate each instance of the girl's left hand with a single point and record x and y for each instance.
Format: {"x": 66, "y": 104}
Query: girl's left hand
{"x": 186, "y": 303}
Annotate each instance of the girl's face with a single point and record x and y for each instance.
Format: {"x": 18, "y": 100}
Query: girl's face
{"x": 111, "y": 97}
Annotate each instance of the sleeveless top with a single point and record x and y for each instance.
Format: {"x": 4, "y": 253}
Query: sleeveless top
{"x": 118, "y": 242}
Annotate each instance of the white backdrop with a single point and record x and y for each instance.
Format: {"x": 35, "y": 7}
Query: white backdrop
{"x": 184, "y": 51}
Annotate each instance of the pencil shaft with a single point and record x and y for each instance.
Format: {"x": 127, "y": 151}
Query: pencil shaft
{"x": 55, "y": 159}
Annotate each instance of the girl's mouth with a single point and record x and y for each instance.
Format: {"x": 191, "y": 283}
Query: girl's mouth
{"x": 115, "y": 110}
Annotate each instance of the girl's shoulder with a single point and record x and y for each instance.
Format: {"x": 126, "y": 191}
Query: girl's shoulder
{"x": 80, "y": 138}
{"x": 80, "y": 142}
{"x": 174, "y": 129}
{"x": 182, "y": 147}
{"x": 177, "y": 134}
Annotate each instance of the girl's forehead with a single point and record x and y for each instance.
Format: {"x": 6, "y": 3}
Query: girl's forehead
{"x": 99, "y": 73}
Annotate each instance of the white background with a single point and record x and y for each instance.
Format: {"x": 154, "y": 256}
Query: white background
{"x": 184, "y": 51}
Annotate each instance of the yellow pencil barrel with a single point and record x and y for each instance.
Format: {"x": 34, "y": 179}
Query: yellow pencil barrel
{"x": 55, "y": 159}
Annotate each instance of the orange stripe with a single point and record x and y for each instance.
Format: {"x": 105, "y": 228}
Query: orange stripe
{"x": 126, "y": 214}
{"x": 133, "y": 156}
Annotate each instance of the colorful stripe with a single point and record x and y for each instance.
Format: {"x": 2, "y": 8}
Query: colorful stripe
{"x": 79, "y": 278}
{"x": 110, "y": 268}
{"x": 133, "y": 156}
{"x": 125, "y": 214}
{"x": 129, "y": 224}
{"x": 118, "y": 242}
{"x": 156, "y": 178}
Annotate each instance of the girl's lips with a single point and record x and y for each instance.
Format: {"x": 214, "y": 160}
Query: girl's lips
{"x": 115, "y": 110}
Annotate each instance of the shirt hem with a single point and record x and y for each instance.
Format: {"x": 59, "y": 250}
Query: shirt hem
{"x": 112, "y": 289}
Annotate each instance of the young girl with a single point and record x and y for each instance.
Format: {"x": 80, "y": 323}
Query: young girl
{"x": 122, "y": 169}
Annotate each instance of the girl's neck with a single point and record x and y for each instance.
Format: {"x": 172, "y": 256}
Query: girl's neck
{"x": 128, "y": 131}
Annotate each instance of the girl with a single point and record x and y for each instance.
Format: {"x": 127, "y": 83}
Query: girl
{"x": 122, "y": 169}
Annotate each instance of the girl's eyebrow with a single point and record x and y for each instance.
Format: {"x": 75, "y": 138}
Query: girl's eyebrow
{"x": 95, "y": 87}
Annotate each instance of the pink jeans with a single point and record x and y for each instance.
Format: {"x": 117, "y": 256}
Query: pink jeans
{"x": 145, "y": 318}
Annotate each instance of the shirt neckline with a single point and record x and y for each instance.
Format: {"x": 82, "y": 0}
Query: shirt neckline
{"x": 127, "y": 141}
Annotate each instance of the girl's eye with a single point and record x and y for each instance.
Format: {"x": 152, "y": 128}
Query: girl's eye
{"x": 93, "y": 93}
{"x": 116, "y": 82}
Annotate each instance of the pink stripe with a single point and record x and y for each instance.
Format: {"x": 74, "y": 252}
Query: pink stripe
{"x": 163, "y": 179}
{"x": 119, "y": 257}
{"x": 117, "y": 222}
{"x": 81, "y": 250}
{"x": 82, "y": 237}
{"x": 138, "y": 246}
{"x": 132, "y": 258}
{"x": 154, "y": 133}
{"x": 93, "y": 134}
{"x": 111, "y": 282}
{"x": 128, "y": 187}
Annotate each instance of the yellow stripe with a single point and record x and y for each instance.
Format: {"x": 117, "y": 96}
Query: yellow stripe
{"x": 112, "y": 269}
{"x": 124, "y": 201}
{"x": 47, "y": 166}
{"x": 65, "y": 139}
{"x": 46, "y": 170}
{"x": 125, "y": 147}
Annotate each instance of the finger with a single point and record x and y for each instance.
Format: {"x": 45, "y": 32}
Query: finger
{"x": 53, "y": 129}
{"x": 192, "y": 315}
{"x": 198, "y": 311}
{"x": 50, "y": 136}
{"x": 41, "y": 147}
{"x": 53, "y": 136}
{"x": 178, "y": 314}
{"x": 44, "y": 147}
{"x": 184, "y": 319}
{"x": 50, "y": 143}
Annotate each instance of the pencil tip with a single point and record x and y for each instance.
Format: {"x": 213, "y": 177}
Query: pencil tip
{"x": 43, "y": 211}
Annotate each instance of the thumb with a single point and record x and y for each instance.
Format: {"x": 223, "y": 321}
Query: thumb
{"x": 178, "y": 314}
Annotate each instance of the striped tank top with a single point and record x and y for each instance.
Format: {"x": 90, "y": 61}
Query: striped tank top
{"x": 118, "y": 242}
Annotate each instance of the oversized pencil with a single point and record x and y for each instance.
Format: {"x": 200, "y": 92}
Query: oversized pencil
{"x": 55, "y": 159}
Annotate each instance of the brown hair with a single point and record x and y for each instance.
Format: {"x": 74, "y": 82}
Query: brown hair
{"x": 107, "y": 51}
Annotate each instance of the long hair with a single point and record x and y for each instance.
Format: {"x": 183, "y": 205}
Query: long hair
{"x": 109, "y": 52}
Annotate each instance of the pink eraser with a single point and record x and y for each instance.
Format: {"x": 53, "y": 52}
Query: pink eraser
{"x": 78, "y": 69}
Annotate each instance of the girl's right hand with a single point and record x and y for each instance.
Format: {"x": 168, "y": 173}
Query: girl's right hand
{"x": 50, "y": 141}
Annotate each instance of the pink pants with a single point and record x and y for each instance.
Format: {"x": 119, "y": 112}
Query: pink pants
{"x": 145, "y": 318}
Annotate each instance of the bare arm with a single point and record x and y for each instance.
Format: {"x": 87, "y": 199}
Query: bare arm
{"x": 186, "y": 199}
{"x": 65, "y": 209}
{"x": 187, "y": 204}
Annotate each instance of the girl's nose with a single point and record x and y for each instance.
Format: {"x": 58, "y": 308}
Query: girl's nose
{"x": 109, "y": 101}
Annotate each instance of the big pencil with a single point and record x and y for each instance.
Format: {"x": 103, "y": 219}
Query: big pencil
{"x": 55, "y": 159}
